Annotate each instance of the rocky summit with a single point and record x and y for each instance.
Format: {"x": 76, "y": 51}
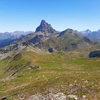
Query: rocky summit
{"x": 45, "y": 28}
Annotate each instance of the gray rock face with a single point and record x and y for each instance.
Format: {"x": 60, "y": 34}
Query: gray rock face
{"x": 45, "y": 27}
{"x": 94, "y": 54}
{"x": 36, "y": 39}
{"x": 87, "y": 40}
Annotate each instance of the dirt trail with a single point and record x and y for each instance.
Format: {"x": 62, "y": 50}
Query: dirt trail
{"x": 17, "y": 87}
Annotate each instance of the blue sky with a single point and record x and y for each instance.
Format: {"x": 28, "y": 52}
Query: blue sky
{"x": 61, "y": 14}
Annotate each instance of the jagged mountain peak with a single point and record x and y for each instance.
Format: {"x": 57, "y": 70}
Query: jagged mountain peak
{"x": 45, "y": 27}
{"x": 43, "y": 22}
{"x": 86, "y": 31}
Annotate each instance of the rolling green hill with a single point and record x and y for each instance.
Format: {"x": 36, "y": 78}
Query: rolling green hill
{"x": 69, "y": 72}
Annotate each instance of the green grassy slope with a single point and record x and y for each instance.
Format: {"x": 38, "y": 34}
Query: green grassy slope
{"x": 70, "y": 73}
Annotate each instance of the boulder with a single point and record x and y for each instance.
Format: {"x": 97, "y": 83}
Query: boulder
{"x": 73, "y": 97}
{"x": 4, "y": 98}
{"x": 50, "y": 50}
{"x": 94, "y": 54}
{"x": 58, "y": 96}
{"x": 37, "y": 67}
{"x": 36, "y": 97}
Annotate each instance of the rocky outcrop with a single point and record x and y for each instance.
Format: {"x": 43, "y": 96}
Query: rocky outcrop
{"x": 36, "y": 39}
{"x": 50, "y": 96}
{"x": 51, "y": 50}
{"x": 73, "y": 97}
{"x": 94, "y": 54}
{"x": 58, "y": 96}
{"x": 4, "y": 98}
{"x": 87, "y": 40}
{"x": 36, "y": 97}
{"x": 45, "y": 28}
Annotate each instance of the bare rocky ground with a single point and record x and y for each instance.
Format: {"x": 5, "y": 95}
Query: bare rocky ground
{"x": 57, "y": 96}
{"x": 51, "y": 96}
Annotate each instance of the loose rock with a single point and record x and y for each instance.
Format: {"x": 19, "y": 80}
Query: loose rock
{"x": 37, "y": 97}
{"x": 73, "y": 97}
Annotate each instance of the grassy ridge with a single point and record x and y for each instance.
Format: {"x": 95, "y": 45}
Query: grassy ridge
{"x": 65, "y": 72}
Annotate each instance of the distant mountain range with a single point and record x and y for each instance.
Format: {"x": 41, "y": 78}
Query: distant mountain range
{"x": 7, "y": 37}
{"x": 15, "y": 34}
{"x": 47, "y": 39}
{"x": 45, "y": 28}
{"x": 91, "y": 34}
